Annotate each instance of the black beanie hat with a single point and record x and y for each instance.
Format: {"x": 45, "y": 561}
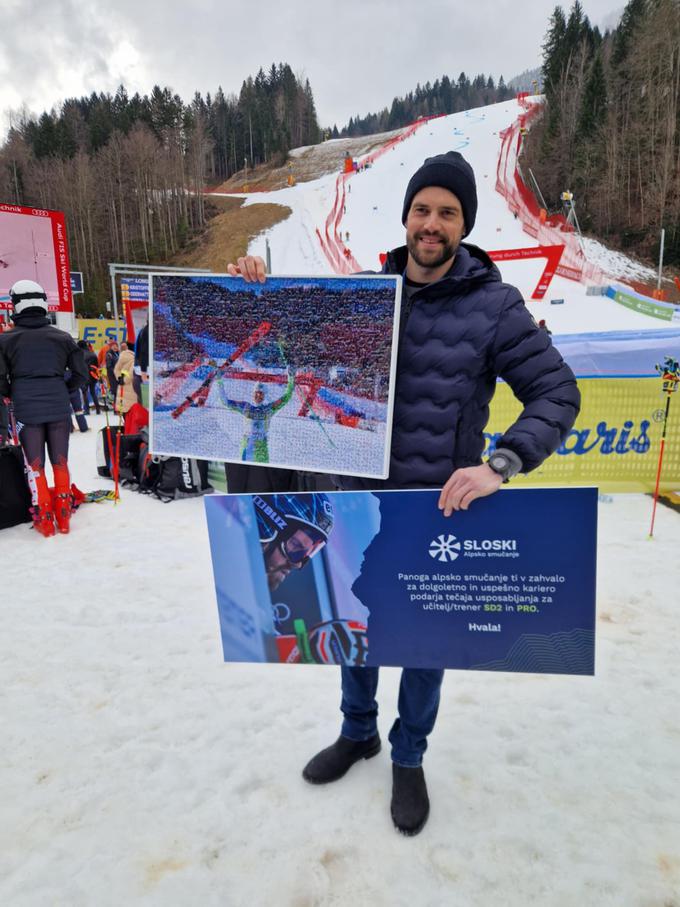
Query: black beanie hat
{"x": 450, "y": 171}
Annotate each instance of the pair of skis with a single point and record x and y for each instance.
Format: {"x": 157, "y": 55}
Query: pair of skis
{"x": 200, "y": 395}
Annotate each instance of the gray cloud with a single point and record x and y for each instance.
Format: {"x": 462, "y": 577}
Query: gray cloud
{"x": 357, "y": 54}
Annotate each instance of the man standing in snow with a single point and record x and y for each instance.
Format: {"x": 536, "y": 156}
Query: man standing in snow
{"x": 461, "y": 328}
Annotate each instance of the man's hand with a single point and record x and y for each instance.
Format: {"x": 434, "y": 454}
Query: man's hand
{"x": 251, "y": 268}
{"x": 467, "y": 484}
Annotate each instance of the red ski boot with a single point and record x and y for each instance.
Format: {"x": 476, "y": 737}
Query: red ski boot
{"x": 63, "y": 501}
{"x": 43, "y": 516}
{"x": 62, "y": 512}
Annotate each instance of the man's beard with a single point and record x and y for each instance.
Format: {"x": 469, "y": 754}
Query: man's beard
{"x": 447, "y": 251}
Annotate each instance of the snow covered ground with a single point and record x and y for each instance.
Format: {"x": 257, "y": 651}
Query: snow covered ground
{"x": 137, "y": 768}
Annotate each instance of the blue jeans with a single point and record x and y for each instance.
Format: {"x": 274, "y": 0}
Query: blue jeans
{"x": 418, "y": 705}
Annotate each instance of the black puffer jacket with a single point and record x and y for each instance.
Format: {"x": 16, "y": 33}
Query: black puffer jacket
{"x": 33, "y": 359}
{"x": 461, "y": 333}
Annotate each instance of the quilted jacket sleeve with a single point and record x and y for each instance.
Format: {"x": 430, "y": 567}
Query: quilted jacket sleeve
{"x": 4, "y": 374}
{"x": 524, "y": 357}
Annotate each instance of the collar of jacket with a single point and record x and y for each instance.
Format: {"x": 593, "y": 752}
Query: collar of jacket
{"x": 471, "y": 266}
{"x": 31, "y": 319}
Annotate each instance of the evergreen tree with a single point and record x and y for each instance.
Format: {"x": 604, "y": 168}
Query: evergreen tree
{"x": 594, "y": 100}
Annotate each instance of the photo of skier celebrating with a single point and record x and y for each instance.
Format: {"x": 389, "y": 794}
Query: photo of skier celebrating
{"x": 227, "y": 355}
{"x": 257, "y": 416}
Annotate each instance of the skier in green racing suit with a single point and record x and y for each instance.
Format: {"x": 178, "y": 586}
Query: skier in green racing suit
{"x": 258, "y": 416}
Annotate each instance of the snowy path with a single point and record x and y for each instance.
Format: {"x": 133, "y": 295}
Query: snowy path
{"x": 138, "y": 769}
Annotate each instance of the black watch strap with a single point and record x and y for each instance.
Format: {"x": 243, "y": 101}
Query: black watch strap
{"x": 505, "y": 462}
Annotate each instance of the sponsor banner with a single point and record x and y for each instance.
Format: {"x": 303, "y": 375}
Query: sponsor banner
{"x": 383, "y": 578}
{"x": 33, "y": 246}
{"x": 99, "y": 331}
{"x": 614, "y": 443}
{"x": 640, "y": 304}
{"x": 77, "y": 282}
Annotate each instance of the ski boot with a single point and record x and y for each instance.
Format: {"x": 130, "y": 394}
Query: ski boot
{"x": 62, "y": 500}
{"x": 43, "y": 520}
{"x": 42, "y": 513}
{"x": 62, "y": 512}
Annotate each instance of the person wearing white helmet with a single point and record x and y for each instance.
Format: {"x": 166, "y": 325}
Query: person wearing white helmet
{"x": 34, "y": 359}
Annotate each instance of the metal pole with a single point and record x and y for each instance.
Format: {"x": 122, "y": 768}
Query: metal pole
{"x": 537, "y": 188}
{"x": 268, "y": 255}
{"x": 114, "y": 299}
{"x": 663, "y": 239}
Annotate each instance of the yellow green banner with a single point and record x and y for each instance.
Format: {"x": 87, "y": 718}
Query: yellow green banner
{"x": 615, "y": 441}
{"x": 99, "y": 331}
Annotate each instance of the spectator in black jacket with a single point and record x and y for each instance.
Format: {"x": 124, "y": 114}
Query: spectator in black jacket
{"x": 91, "y": 388}
{"x": 112, "y": 355}
{"x": 34, "y": 358}
{"x": 140, "y": 372}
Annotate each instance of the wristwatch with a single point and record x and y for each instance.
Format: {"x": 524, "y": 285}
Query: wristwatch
{"x": 505, "y": 462}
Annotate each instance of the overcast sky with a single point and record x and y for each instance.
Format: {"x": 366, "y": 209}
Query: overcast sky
{"x": 357, "y": 54}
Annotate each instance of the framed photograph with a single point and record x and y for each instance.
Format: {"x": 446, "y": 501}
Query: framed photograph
{"x": 296, "y": 372}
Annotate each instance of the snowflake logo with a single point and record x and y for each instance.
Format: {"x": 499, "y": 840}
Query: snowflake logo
{"x": 445, "y": 548}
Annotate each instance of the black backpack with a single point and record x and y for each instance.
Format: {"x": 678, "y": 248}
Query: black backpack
{"x": 170, "y": 478}
{"x": 181, "y": 477}
{"x": 15, "y": 495}
{"x": 130, "y": 446}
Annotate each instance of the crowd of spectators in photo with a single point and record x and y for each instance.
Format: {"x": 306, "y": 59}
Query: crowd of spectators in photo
{"x": 340, "y": 334}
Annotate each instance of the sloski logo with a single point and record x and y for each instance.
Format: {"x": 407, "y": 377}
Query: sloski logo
{"x": 445, "y": 548}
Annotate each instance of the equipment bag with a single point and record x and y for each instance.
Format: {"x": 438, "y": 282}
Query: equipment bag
{"x": 15, "y": 495}
{"x": 106, "y": 450}
{"x": 148, "y": 466}
{"x": 180, "y": 477}
{"x": 129, "y": 458}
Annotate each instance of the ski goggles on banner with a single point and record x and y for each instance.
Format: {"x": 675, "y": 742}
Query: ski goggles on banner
{"x": 299, "y": 551}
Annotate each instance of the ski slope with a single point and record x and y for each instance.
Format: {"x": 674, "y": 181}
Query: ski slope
{"x": 372, "y": 218}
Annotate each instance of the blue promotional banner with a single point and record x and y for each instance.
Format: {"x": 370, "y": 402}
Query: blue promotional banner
{"x": 77, "y": 282}
{"x": 383, "y": 578}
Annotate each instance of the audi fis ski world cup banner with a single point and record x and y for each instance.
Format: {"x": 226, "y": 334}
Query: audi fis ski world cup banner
{"x": 33, "y": 247}
{"x": 383, "y": 578}
{"x": 296, "y": 372}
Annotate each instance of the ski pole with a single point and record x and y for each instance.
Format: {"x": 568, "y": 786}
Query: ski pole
{"x": 670, "y": 372}
{"x": 203, "y": 390}
{"x": 120, "y": 432}
{"x": 14, "y": 430}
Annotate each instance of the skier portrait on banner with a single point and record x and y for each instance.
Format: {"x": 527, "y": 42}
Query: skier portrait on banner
{"x": 293, "y": 529}
{"x": 258, "y": 416}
